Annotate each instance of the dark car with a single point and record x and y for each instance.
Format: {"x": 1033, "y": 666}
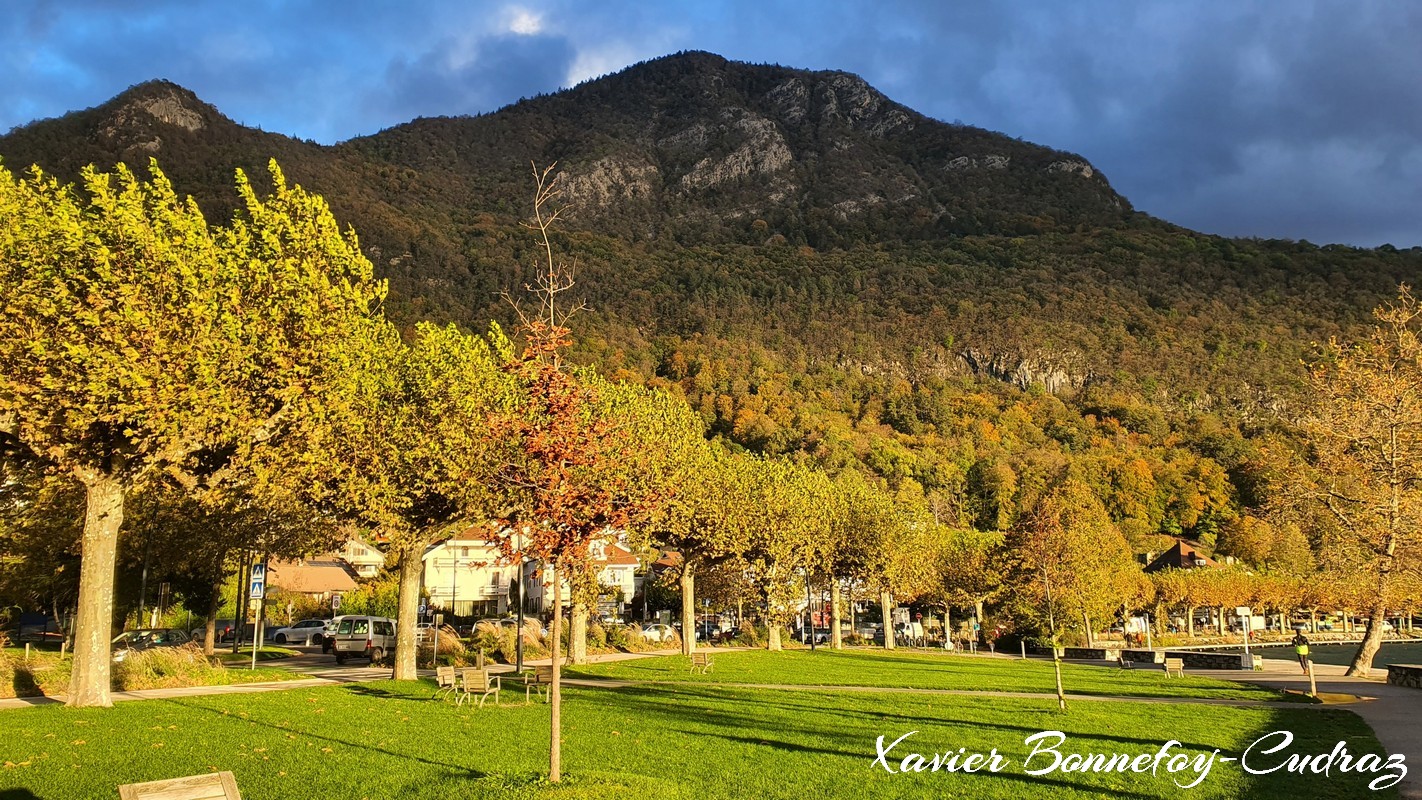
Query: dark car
{"x": 146, "y": 638}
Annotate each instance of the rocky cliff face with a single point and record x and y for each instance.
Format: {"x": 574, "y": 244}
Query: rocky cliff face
{"x": 702, "y": 145}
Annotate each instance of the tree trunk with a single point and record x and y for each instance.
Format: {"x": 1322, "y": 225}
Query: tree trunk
{"x": 555, "y": 688}
{"x": 772, "y": 637}
{"x": 1086, "y": 625}
{"x": 94, "y": 622}
{"x": 885, "y": 601}
{"x": 1221, "y": 621}
{"x": 1372, "y": 639}
{"x": 407, "y": 611}
{"x": 209, "y": 630}
{"x": 688, "y": 608}
{"x": 836, "y": 640}
{"x": 1313, "y": 620}
{"x": 1190, "y": 621}
{"x": 578, "y": 634}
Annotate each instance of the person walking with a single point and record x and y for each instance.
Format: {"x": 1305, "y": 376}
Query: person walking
{"x": 1301, "y": 650}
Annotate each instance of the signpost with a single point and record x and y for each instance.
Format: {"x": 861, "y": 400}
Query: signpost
{"x": 1247, "y": 615}
{"x": 258, "y": 581}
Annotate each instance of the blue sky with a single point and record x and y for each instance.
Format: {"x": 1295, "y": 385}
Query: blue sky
{"x": 1293, "y": 119}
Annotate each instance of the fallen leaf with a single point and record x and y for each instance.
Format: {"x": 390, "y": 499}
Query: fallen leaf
{"x": 78, "y": 741}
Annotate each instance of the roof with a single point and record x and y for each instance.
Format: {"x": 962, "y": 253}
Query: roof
{"x": 311, "y": 577}
{"x": 615, "y": 555}
{"x": 1182, "y": 555}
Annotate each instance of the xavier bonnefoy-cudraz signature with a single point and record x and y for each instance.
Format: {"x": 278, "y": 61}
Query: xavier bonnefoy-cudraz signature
{"x": 1051, "y": 752}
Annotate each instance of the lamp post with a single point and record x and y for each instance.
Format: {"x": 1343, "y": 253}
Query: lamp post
{"x": 518, "y": 632}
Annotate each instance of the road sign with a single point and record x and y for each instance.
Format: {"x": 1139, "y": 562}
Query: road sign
{"x": 335, "y": 602}
{"x": 1242, "y": 611}
{"x": 259, "y": 581}
{"x": 423, "y": 609}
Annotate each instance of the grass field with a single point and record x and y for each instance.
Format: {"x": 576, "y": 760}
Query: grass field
{"x": 921, "y": 671}
{"x": 692, "y": 740}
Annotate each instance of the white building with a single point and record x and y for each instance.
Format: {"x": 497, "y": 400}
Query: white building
{"x": 364, "y": 559}
{"x": 468, "y": 576}
{"x": 617, "y": 577}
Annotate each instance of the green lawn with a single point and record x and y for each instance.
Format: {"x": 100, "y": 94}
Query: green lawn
{"x": 921, "y": 671}
{"x": 388, "y": 740}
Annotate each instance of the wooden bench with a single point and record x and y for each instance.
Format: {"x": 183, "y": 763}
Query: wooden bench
{"x": 701, "y": 661}
{"x": 1175, "y": 665}
{"x": 538, "y": 681}
{"x": 445, "y": 680}
{"x": 213, "y": 786}
{"x": 478, "y": 683}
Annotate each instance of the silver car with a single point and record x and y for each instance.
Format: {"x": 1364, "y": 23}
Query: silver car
{"x": 308, "y": 632}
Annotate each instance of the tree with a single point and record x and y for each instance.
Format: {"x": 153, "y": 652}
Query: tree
{"x": 1068, "y": 545}
{"x": 136, "y": 339}
{"x": 1365, "y": 460}
{"x": 789, "y": 515}
{"x": 412, "y": 452}
{"x": 560, "y": 484}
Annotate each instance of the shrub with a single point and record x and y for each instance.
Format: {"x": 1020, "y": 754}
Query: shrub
{"x": 750, "y": 635}
{"x": 165, "y": 667}
{"x": 597, "y": 636}
{"x": 627, "y": 638}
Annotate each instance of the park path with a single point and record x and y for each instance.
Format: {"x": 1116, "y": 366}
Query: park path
{"x": 1393, "y": 712}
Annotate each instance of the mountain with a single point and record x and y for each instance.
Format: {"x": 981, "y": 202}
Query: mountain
{"x": 823, "y": 271}
{"x": 699, "y": 147}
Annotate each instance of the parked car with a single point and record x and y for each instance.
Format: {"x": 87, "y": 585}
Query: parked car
{"x": 308, "y": 632}
{"x": 364, "y": 637}
{"x": 659, "y": 633}
{"x": 129, "y": 642}
{"x": 328, "y": 640}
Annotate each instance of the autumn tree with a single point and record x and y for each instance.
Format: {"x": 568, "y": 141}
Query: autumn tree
{"x": 1365, "y": 459}
{"x": 559, "y": 484}
{"x": 1068, "y": 546}
{"x": 136, "y": 339}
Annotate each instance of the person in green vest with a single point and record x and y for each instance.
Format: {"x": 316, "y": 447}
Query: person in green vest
{"x": 1301, "y": 649}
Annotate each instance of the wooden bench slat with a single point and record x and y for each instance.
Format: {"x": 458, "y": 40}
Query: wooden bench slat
{"x": 213, "y": 786}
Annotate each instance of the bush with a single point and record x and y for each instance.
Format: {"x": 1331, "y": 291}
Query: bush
{"x": 597, "y": 636}
{"x": 750, "y": 635}
{"x": 166, "y": 667}
{"x": 627, "y": 638}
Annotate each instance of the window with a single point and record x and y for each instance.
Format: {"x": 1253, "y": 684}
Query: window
{"x": 384, "y": 629}
{"x": 345, "y": 627}
{"x": 463, "y": 552}
{"x": 360, "y": 626}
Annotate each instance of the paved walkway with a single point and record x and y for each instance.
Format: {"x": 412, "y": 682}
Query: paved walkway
{"x": 1393, "y": 712}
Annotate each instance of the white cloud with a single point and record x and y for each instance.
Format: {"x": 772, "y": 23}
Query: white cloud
{"x": 524, "y": 22}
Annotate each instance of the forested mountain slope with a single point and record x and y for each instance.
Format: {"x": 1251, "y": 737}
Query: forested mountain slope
{"x": 823, "y": 271}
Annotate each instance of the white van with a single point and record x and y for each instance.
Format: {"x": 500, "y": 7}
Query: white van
{"x": 364, "y": 637}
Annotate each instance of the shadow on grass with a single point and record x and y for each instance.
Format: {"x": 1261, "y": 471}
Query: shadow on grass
{"x": 18, "y": 794}
{"x": 671, "y": 702}
{"x": 463, "y": 771}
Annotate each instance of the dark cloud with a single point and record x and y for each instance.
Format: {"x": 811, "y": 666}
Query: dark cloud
{"x": 462, "y": 78}
{"x": 1297, "y": 120}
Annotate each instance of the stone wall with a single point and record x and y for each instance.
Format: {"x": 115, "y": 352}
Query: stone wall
{"x": 1409, "y": 675}
{"x": 1195, "y": 659}
{"x": 1091, "y": 653}
{"x": 1144, "y": 656}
